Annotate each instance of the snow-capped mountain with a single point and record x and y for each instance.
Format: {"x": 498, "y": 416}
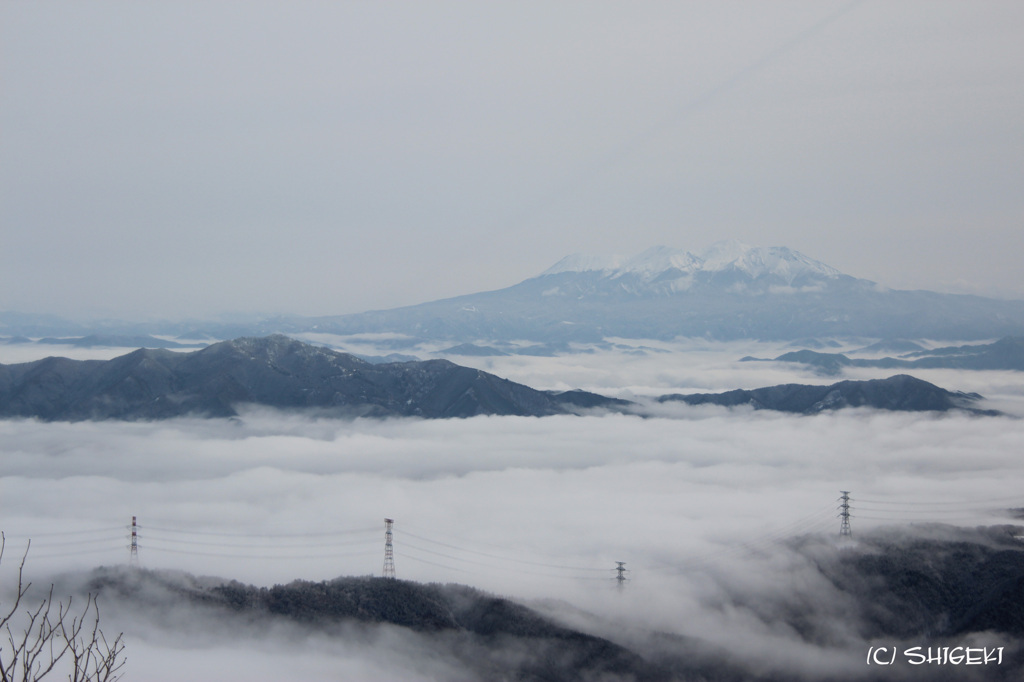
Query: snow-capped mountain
{"x": 730, "y": 255}
{"x": 729, "y": 290}
{"x": 661, "y": 270}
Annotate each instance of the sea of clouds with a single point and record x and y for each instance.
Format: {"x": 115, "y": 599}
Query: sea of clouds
{"x": 696, "y": 502}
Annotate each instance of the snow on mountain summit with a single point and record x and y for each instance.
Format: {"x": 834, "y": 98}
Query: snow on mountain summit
{"x": 757, "y": 261}
{"x": 730, "y": 255}
{"x": 658, "y": 259}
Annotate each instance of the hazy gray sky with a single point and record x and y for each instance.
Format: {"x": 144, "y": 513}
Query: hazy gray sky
{"x": 191, "y": 158}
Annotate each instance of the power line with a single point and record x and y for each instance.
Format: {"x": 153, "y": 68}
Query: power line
{"x": 946, "y": 503}
{"x": 80, "y": 552}
{"x": 65, "y": 543}
{"x": 508, "y": 569}
{"x": 405, "y": 526}
{"x": 357, "y": 542}
{"x": 108, "y": 529}
{"x": 259, "y": 545}
{"x": 500, "y": 558}
{"x": 275, "y": 556}
{"x": 367, "y": 529}
{"x": 928, "y": 512}
{"x": 432, "y": 563}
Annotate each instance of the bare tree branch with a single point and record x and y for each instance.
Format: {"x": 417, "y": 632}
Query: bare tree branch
{"x": 36, "y": 640}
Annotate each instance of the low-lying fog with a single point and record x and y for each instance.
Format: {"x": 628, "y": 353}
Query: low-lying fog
{"x": 525, "y": 507}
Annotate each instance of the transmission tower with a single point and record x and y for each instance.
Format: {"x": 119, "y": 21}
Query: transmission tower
{"x": 620, "y": 574}
{"x": 133, "y": 557}
{"x": 844, "y": 514}
{"x": 389, "y": 550}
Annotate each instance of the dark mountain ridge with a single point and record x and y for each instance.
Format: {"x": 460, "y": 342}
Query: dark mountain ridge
{"x": 274, "y": 371}
{"x": 901, "y": 392}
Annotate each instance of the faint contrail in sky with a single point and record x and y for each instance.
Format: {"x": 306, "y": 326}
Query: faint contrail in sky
{"x": 632, "y": 144}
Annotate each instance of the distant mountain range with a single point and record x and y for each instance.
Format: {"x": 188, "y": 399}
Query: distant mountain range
{"x": 728, "y": 291}
{"x": 1006, "y": 353}
{"x": 283, "y": 373}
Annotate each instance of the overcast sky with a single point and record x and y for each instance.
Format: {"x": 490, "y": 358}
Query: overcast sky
{"x": 193, "y": 158}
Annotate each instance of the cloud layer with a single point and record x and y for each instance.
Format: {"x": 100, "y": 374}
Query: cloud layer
{"x": 696, "y": 504}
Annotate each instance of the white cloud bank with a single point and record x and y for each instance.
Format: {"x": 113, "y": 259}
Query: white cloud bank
{"x": 526, "y": 507}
